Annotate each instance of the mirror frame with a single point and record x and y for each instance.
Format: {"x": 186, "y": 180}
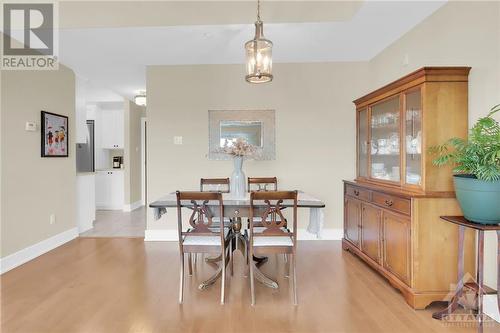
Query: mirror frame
{"x": 265, "y": 117}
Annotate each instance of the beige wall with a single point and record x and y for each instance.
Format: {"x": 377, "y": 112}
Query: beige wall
{"x": 315, "y": 116}
{"x": 458, "y": 34}
{"x": 33, "y": 187}
{"x": 315, "y": 128}
{"x": 132, "y": 151}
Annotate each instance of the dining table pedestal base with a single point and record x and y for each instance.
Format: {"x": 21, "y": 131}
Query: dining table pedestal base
{"x": 240, "y": 242}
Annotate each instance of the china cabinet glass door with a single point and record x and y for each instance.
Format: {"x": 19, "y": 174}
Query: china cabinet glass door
{"x": 363, "y": 143}
{"x": 413, "y": 137}
{"x": 385, "y": 140}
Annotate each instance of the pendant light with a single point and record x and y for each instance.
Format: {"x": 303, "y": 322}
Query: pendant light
{"x": 259, "y": 53}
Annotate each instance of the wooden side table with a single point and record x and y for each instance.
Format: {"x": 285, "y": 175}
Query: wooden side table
{"x": 478, "y": 285}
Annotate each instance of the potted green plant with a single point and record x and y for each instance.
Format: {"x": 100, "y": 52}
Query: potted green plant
{"x": 476, "y": 162}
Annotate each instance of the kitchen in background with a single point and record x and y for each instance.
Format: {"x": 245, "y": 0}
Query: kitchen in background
{"x": 85, "y": 151}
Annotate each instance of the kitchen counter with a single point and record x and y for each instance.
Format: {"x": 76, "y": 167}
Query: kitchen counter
{"x": 111, "y": 169}
{"x": 85, "y": 173}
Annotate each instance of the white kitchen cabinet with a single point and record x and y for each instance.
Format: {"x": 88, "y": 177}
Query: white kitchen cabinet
{"x": 85, "y": 196}
{"x": 110, "y": 191}
{"x": 112, "y": 129}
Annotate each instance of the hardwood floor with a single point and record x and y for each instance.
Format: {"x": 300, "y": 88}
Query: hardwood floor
{"x": 127, "y": 285}
{"x": 117, "y": 223}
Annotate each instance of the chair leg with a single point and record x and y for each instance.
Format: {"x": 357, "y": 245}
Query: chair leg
{"x": 294, "y": 272}
{"x": 247, "y": 269}
{"x": 287, "y": 266}
{"x": 223, "y": 280}
{"x": 181, "y": 282}
{"x": 252, "y": 284}
{"x": 190, "y": 264}
{"x": 231, "y": 267}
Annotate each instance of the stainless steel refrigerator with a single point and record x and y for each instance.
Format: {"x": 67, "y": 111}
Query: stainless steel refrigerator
{"x": 85, "y": 151}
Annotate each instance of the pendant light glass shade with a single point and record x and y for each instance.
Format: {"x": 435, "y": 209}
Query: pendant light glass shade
{"x": 259, "y": 56}
{"x": 140, "y": 99}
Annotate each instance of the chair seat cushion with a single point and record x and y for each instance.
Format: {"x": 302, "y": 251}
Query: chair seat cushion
{"x": 204, "y": 240}
{"x": 257, "y": 230}
{"x": 217, "y": 219}
{"x": 259, "y": 218}
{"x": 272, "y": 241}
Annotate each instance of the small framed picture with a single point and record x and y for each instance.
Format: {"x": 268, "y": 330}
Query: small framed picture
{"x": 54, "y": 135}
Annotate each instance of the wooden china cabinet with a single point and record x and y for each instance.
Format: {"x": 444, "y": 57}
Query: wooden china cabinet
{"x": 392, "y": 209}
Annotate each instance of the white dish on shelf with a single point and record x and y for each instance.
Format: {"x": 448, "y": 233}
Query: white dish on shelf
{"x": 413, "y": 178}
{"x": 378, "y": 167}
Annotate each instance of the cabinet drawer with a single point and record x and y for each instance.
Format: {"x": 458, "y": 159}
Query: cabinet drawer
{"x": 391, "y": 202}
{"x": 357, "y": 192}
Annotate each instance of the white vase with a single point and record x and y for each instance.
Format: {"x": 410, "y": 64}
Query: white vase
{"x": 238, "y": 179}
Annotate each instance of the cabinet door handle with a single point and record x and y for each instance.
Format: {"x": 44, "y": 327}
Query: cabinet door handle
{"x": 356, "y": 192}
{"x": 389, "y": 203}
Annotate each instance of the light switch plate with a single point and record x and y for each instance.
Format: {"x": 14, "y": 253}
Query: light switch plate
{"x": 177, "y": 140}
{"x": 30, "y": 126}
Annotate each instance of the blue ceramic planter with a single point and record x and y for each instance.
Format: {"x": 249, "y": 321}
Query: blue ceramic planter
{"x": 479, "y": 200}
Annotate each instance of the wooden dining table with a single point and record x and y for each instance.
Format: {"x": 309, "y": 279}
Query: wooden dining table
{"x": 235, "y": 209}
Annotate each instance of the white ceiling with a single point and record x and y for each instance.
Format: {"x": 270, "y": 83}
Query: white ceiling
{"x": 116, "y": 57}
{"x": 119, "y": 13}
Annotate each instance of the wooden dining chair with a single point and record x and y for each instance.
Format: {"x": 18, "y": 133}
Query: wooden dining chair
{"x": 214, "y": 185}
{"x": 201, "y": 236}
{"x": 273, "y": 236}
{"x": 205, "y": 184}
{"x": 262, "y": 183}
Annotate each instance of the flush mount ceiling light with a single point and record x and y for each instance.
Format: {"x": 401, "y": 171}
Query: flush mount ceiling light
{"x": 140, "y": 99}
{"x": 259, "y": 53}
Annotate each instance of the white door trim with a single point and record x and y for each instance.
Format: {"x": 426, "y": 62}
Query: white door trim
{"x": 143, "y": 160}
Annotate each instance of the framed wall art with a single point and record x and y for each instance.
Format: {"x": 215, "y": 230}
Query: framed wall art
{"x": 54, "y": 135}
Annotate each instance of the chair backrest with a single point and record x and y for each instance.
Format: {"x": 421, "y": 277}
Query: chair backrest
{"x": 201, "y": 217}
{"x": 272, "y": 218}
{"x": 215, "y": 185}
{"x": 262, "y": 183}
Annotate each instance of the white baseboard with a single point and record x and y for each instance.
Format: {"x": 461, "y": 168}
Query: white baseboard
{"x": 110, "y": 207}
{"x": 490, "y": 307}
{"x": 132, "y": 206}
{"x": 169, "y": 235}
{"x": 161, "y": 235}
{"x": 20, "y": 257}
{"x": 326, "y": 234}
{"x": 87, "y": 227}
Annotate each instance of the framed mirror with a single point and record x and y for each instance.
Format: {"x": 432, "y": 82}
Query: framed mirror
{"x": 255, "y": 126}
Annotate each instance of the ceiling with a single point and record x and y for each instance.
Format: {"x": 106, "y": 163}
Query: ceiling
{"x": 110, "y": 43}
{"x": 114, "y": 14}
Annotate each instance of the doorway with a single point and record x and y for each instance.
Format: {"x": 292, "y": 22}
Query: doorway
{"x": 144, "y": 160}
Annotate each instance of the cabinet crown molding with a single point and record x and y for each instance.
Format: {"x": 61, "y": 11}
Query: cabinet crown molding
{"x": 424, "y": 74}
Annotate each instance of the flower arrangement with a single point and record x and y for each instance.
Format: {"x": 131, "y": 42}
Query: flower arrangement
{"x": 239, "y": 148}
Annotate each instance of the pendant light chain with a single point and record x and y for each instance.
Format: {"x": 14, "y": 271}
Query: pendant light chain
{"x": 258, "y": 10}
